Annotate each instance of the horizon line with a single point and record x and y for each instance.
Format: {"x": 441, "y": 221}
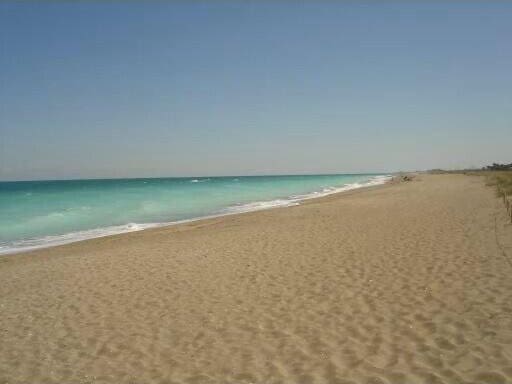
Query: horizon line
{"x": 204, "y": 176}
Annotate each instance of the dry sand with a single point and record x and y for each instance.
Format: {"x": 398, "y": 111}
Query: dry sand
{"x": 404, "y": 283}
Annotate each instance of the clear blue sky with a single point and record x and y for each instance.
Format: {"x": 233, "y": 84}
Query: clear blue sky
{"x": 125, "y": 89}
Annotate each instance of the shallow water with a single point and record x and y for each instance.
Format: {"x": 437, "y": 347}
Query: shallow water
{"x": 41, "y": 213}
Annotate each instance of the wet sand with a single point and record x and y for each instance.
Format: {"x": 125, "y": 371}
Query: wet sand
{"x": 404, "y": 283}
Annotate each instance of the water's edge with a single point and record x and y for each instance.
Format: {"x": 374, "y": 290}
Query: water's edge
{"x": 55, "y": 240}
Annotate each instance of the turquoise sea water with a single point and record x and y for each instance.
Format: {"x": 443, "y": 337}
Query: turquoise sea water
{"x": 35, "y": 214}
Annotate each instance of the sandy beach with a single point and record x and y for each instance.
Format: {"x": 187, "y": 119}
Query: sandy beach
{"x": 409, "y": 282}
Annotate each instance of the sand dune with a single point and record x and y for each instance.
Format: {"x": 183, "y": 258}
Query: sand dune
{"x": 404, "y": 283}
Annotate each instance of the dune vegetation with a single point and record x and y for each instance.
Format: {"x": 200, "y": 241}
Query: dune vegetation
{"x": 502, "y": 181}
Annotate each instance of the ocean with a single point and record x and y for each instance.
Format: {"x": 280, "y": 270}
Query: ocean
{"x": 36, "y": 214}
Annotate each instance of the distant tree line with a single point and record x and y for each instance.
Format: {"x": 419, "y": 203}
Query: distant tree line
{"x": 499, "y": 167}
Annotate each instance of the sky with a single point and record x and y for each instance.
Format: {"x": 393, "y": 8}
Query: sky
{"x": 92, "y": 89}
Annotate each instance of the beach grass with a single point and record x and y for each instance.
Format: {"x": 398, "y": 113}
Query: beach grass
{"x": 502, "y": 181}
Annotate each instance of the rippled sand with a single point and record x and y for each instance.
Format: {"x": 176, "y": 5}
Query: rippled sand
{"x": 405, "y": 283}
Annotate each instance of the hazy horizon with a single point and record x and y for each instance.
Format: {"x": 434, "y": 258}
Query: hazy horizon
{"x": 154, "y": 89}
{"x": 200, "y": 176}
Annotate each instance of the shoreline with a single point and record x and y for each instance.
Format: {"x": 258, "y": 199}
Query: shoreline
{"x": 128, "y": 228}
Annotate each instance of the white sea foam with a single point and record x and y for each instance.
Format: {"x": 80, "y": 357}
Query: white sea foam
{"x": 49, "y": 241}
{"x": 199, "y": 180}
{"x": 259, "y": 205}
{"x": 296, "y": 199}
